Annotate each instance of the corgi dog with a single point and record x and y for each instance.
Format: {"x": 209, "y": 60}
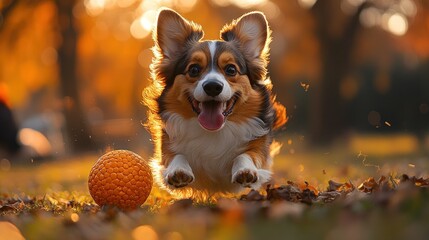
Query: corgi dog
{"x": 211, "y": 110}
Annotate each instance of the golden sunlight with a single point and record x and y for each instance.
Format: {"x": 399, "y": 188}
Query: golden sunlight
{"x": 249, "y": 3}
{"x": 94, "y": 7}
{"x": 125, "y": 3}
{"x": 408, "y": 7}
{"x": 147, "y": 10}
{"x": 74, "y": 217}
{"x": 397, "y": 24}
{"x": 137, "y": 30}
{"x": 306, "y": 3}
{"x": 370, "y": 17}
{"x": 144, "y": 232}
{"x": 392, "y": 17}
{"x": 184, "y": 5}
{"x": 36, "y": 140}
{"x": 240, "y": 3}
{"x": 143, "y": 10}
{"x": 147, "y": 20}
{"x": 174, "y": 236}
{"x": 355, "y": 2}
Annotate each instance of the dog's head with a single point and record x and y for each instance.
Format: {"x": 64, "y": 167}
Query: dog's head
{"x": 214, "y": 81}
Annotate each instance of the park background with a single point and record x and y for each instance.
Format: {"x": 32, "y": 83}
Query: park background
{"x": 74, "y": 70}
{"x": 353, "y": 75}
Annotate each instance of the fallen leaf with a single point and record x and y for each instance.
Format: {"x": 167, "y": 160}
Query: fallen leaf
{"x": 368, "y": 185}
{"x": 419, "y": 182}
{"x": 285, "y": 192}
{"x": 253, "y": 195}
{"x": 329, "y": 196}
{"x": 333, "y": 186}
{"x": 308, "y": 196}
{"x": 340, "y": 187}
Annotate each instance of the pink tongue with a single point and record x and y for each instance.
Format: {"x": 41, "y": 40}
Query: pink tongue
{"x": 211, "y": 117}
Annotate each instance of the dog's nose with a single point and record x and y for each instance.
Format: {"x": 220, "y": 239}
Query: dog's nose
{"x": 213, "y": 88}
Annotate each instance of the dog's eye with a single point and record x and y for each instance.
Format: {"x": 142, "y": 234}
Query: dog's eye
{"x": 194, "y": 70}
{"x": 230, "y": 70}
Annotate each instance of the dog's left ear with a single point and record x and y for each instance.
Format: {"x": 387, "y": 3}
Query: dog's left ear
{"x": 251, "y": 32}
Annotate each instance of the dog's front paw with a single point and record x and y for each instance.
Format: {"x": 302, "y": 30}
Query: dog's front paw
{"x": 180, "y": 178}
{"x": 245, "y": 177}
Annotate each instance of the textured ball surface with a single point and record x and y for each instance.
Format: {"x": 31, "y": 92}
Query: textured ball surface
{"x": 120, "y": 178}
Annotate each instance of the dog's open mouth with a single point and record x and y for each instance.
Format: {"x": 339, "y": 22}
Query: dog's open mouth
{"x": 212, "y": 114}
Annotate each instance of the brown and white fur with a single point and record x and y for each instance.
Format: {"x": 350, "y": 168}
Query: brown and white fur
{"x": 211, "y": 110}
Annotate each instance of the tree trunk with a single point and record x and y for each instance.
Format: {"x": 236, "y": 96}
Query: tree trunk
{"x": 327, "y": 120}
{"x": 4, "y": 14}
{"x": 76, "y": 125}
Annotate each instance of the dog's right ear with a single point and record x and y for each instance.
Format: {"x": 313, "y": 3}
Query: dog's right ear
{"x": 173, "y": 33}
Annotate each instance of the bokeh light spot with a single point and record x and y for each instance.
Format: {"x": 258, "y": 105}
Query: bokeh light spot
{"x": 271, "y": 10}
{"x": 125, "y": 3}
{"x": 49, "y": 56}
{"x": 397, "y": 24}
{"x": 144, "y": 232}
{"x": 306, "y": 3}
{"x": 174, "y": 236}
{"x": 74, "y": 217}
{"x": 147, "y": 20}
{"x": 370, "y": 17}
{"x": 94, "y": 7}
{"x": 4, "y": 165}
{"x": 137, "y": 30}
{"x": 408, "y": 7}
{"x": 145, "y": 58}
{"x": 10, "y": 231}
{"x": 222, "y": 3}
{"x": 36, "y": 140}
{"x": 249, "y": 3}
{"x": 355, "y": 2}
{"x": 374, "y": 118}
{"x": 184, "y": 5}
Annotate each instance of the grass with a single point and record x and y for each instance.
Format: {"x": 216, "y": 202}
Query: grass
{"x": 50, "y": 200}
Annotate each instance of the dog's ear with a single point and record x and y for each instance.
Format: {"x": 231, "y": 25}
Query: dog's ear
{"x": 173, "y": 33}
{"x": 251, "y": 32}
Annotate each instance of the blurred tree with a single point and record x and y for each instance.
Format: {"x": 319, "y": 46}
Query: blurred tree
{"x": 336, "y": 31}
{"x": 336, "y": 38}
{"x": 5, "y": 11}
{"x": 76, "y": 123}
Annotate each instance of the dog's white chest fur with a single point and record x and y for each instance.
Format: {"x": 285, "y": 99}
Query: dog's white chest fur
{"x": 211, "y": 154}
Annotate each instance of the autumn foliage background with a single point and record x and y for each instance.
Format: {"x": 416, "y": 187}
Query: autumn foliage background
{"x": 74, "y": 70}
{"x": 353, "y": 74}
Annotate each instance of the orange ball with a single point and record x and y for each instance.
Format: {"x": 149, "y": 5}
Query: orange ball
{"x": 120, "y": 178}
